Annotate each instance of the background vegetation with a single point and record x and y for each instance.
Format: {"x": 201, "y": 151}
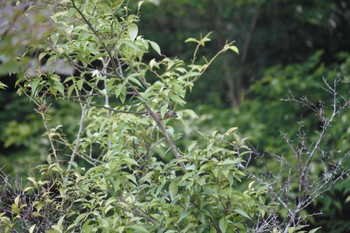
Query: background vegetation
{"x": 275, "y": 91}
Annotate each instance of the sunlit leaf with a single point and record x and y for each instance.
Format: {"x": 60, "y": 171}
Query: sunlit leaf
{"x": 133, "y": 31}
{"x": 2, "y": 85}
{"x": 191, "y": 40}
{"x": 156, "y": 47}
{"x": 233, "y": 48}
{"x": 314, "y": 230}
{"x": 177, "y": 99}
{"x": 242, "y": 212}
{"x": 223, "y": 224}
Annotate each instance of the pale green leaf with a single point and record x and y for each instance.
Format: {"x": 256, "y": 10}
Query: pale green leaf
{"x": 121, "y": 91}
{"x": 314, "y": 230}
{"x": 133, "y": 46}
{"x": 134, "y": 80}
{"x": 16, "y": 200}
{"x": 347, "y": 199}
{"x": 132, "y": 178}
{"x": 233, "y": 48}
{"x": 32, "y": 228}
{"x": 3, "y": 86}
{"x": 130, "y": 161}
{"x": 185, "y": 177}
{"x": 191, "y": 40}
{"x": 59, "y": 87}
{"x": 34, "y": 84}
{"x": 163, "y": 110}
{"x": 242, "y": 212}
{"x": 87, "y": 227}
{"x": 139, "y": 228}
{"x": 173, "y": 189}
{"x": 70, "y": 90}
{"x": 296, "y": 229}
{"x": 60, "y": 222}
{"x": 133, "y": 31}
{"x": 177, "y": 99}
{"x": 139, "y": 5}
{"x": 191, "y": 113}
{"x": 250, "y": 185}
{"x": 156, "y": 47}
{"x": 55, "y": 77}
{"x": 80, "y": 84}
{"x": 153, "y": 63}
{"x": 223, "y": 224}
{"x": 41, "y": 55}
{"x": 190, "y": 148}
{"x": 80, "y": 217}
{"x": 183, "y": 215}
{"x": 60, "y": 13}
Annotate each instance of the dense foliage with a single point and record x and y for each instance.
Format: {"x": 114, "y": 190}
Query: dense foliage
{"x": 121, "y": 183}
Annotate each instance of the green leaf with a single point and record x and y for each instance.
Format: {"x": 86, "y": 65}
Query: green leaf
{"x": 296, "y": 229}
{"x": 233, "y": 48}
{"x": 132, "y": 45}
{"x": 173, "y": 189}
{"x": 130, "y": 161}
{"x": 163, "y": 110}
{"x": 242, "y": 212}
{"x": 132, "y": 178}
{"x": 121, "y": 91}
{"x": 212, "y": 229}
{"x": 177, "y": 99}
{"x": 185, "y": 177}
{"x": 41, "y": 55}
{"x": 230, "y": 161}
{"x": 193, "y": 144}
{"x": 32, "y": 228}
{"x": 87, "y": 227}
{"x": 139, "y": 5}
{"x": 3, "y": 86}
{"x": 223, "y": 224}
{"x": 183, "y": 215}
{"x": 80, "y": 84}
{"x": 59, "y": 226}
{"x": 34, "y": 84}
{"x": 156, "y": 47}
{"x": 191, "y": 40}
{"x": 134, "y": 80}
{"x": 347, "y": 199}
{"x": 138, "y": 228}
{"x": 132, "y": 30}
{"x": 314, "y": 230}
{"x": 80, "y": 217}
{"x": 154, "y": 63}
{"x": 17, "y": 200}
{"x": 59, "y": 87}
{"x": 70, "y": 90}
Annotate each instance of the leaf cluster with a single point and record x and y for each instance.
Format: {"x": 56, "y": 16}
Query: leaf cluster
{"x": 123, "y": 170}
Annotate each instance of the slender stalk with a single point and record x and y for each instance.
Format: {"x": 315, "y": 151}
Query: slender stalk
{"x": 49, "y": 135}
{"x": 77, "y": 140}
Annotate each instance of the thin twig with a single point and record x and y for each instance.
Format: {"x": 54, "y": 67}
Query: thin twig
{"x": 77, "y": 140}
{"x": 165, "y": 133}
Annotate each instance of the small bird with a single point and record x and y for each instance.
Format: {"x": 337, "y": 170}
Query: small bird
{"x": 169, "y": 114}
